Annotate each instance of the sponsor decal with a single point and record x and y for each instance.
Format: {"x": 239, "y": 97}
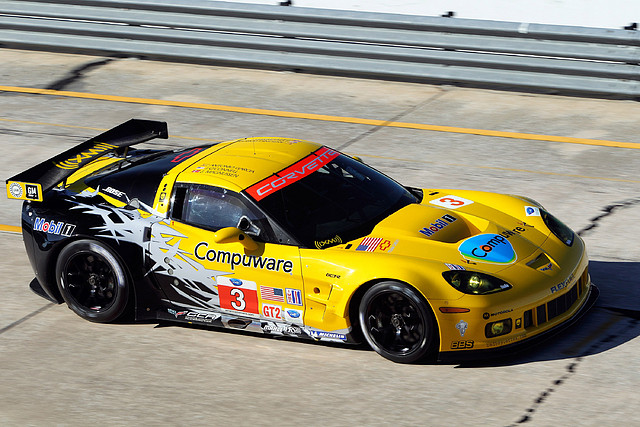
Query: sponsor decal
{"x": 451, "y": 202}
{"x": 330, "y": 335}
{"x": 75, "y": 161}
{"x": 507, "y": 341}
{"x": 271, "y": 294}
{"x": 462, "y": 327}
{"x": 293, "y": 173}
{"x": 293, "y": 316}
{"x": 114, "y": 192}
{"x": 486, "y": 316}
{"x": 238, "y": 295}
{"x": 176, "y": 313}
{"x": 532, "y": 210}
{"x": 562, "y": 284}
{"x": 60, "y": 228}
{"x": 498, "y": 313}
{"x": 294, "y": 296}
{"x": 201, "y": 316}
{"x": 183, "y": 156}
{"x": 546, "y": 267}
{"x": 458, "y": 345}
{"x": 23, "y": 190}
{"x": 438, "y": 225}
{"x": 15, "y": 190}
{"x": 454, "y": 266}
{"x": 195, "y": 315}
{"x": 324, "y": 243}
{"x": 231, "y": 171}
{"x": 490, "y": 248}
{"x": 271, "y": 311}
{"x": 281, "y": 328}
{"x": 234, "y": 259}
{"x": 332, "y": 276}
{"x": 393, "y": 246}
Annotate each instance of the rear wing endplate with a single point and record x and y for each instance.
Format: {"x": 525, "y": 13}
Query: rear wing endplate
{"x": 32, "y": 183}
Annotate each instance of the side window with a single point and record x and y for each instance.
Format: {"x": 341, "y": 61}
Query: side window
{"x": 214, "y": 208}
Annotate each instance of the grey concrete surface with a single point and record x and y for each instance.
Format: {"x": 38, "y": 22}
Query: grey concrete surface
{"x": 57, "y": 369}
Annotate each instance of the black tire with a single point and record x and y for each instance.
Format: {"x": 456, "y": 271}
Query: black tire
{"x": 398, "y": 323}
{"x": 92, "y": 281}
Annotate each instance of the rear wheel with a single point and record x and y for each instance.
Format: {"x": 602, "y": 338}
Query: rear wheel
{"x": 92, "y": 281}
{"x": 397, "y": 322}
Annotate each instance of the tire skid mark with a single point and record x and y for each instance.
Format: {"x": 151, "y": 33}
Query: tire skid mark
{"x": 27, "y": 317}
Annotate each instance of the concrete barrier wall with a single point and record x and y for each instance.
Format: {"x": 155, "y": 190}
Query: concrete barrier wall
{"x": 504, "y": 55}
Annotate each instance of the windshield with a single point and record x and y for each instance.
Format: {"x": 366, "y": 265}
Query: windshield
{"x": 328, "y": 198}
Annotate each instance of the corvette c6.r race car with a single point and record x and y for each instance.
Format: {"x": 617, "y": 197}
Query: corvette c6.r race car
{"x": 291, "y": 238}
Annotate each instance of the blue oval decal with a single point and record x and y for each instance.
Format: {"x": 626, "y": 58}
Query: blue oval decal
{"x": 492, "y": 248}
{"x": 236, "y": 282}
{"x": 293, "y": 313}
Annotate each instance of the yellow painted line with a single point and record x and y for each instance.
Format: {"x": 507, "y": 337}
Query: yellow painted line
{"x": 322, "y": 117}
{"x": 10, "y": 228}
{"x": 602, "y": 178}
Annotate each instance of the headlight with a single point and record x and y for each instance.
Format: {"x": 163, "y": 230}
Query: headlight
{"x": 561, "y": 231}
{"x": 474, "y": 283}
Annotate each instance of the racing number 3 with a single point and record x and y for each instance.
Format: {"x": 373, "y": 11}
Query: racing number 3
{"x": 450, "y": 202}
{"x": 238, "y": 303}
{"x": 238, "y": 295}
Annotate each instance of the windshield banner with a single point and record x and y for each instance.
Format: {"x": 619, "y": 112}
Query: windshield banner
{"x": 293, "y": 173}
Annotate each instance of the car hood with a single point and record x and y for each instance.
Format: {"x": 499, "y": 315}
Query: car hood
{"x": 476, "y": 234}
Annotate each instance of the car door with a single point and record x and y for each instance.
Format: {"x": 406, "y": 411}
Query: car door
{"x": 257, "y": 279}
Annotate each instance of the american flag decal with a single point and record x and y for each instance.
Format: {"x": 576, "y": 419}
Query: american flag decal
{"x": 271, "y": 294}
{"x": 369, "y": 244}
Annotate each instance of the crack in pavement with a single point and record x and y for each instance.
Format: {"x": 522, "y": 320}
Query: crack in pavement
{"x": 18, "y": 132}
{"x": 27, "y": 317}
{"x": 632, "y": 315}
{"x": 77, "y": 74}
{"x": 570, "y": 370}
{"x": 393, "y": 119}
{"x": 608, "y": 210}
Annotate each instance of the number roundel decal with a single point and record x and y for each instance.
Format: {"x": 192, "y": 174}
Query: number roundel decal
{"x": 238, "y": 295}
{"x": 451, "y": 202}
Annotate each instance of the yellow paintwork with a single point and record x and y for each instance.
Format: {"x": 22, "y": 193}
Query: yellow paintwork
{"x": 408, "y": 252}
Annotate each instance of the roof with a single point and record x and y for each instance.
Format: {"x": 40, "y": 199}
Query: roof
{"x": 238, "y": 164}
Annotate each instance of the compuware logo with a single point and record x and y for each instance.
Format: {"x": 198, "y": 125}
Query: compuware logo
{"x": 490, "y": 248}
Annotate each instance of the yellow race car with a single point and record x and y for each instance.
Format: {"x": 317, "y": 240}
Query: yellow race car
{"x": 292, "y": 238}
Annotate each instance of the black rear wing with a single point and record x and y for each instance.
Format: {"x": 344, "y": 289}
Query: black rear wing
{"x": 32, "y": 183}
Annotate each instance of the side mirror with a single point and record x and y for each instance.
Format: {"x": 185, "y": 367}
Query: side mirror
{"x": 234, "y": 235}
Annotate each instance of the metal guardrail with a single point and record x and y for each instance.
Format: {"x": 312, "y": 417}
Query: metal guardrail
{"x": 503, "y": 55}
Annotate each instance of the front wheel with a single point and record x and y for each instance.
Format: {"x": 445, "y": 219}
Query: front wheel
{"x": 397, "y": 322}
{"x": 92, "y": 281}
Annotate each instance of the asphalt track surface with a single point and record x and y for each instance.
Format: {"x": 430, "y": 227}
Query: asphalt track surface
{"x": 579, "y": 157}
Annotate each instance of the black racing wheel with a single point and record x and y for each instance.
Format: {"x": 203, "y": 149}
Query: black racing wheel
{"x": 398, "y": 323}
{"x": 92, "y": 281}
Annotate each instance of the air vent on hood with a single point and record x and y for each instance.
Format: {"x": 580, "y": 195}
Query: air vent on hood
{"x": 542, "y": 262}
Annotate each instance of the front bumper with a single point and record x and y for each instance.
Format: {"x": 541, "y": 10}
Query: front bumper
{"x": 524, "y": 344}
